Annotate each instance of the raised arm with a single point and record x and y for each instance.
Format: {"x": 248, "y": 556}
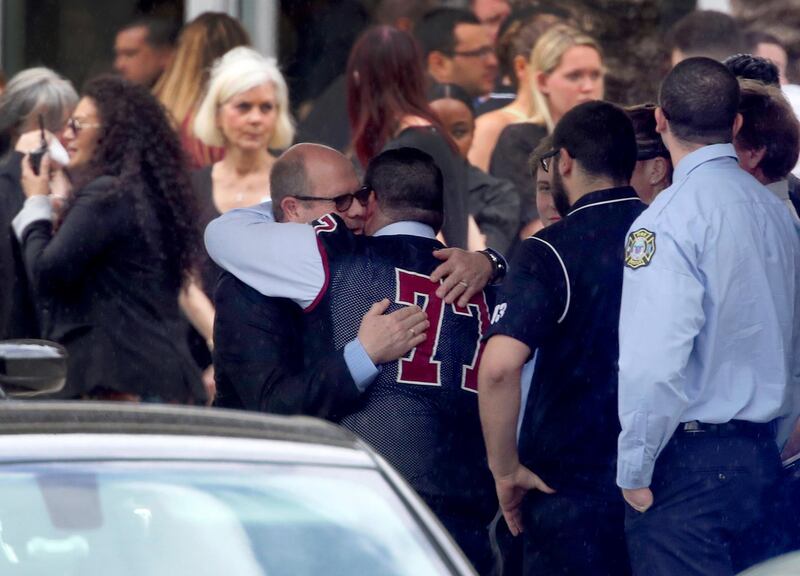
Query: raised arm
{"x": 280, "y": 260}
{"x": 93, "y": 223}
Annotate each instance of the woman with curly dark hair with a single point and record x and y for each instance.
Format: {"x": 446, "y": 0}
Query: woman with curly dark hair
{"x": 108, "y": 273}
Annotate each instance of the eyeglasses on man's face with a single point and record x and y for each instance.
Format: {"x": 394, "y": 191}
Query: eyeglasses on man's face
{"x": 482, "y": 52}
{"x": 343, "y": 202}
{"x": 546, "y": 161}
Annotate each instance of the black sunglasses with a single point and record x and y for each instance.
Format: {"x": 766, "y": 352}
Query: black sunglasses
{"x": 343, "y": 201}
{"x": 547, "y": 159}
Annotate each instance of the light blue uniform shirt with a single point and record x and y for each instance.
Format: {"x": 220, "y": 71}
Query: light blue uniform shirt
{"x": 710, "y": 296}
{"x": 279, "y": 260}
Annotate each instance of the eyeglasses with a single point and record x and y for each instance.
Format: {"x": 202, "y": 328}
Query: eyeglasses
{"x": 547, "y": 159}
{"x": 482, "y": 52}
{"x": 343, "y": 201}
{"x": 77, "y": 125}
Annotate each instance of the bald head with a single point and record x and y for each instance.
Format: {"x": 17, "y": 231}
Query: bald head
{"x": 309, "y": 171}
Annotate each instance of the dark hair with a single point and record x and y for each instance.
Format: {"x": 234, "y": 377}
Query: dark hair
{"x": 288, "y": 177}
{"x": 450, "y": 91}
{"x": 753, "y": 68}
{"x": 769, "y": 122}
{"x": 600, "y": 137}
{"x": 385, "y": 81}
{"x": 648, "y": 140}
{"x": 700, "y": 99}
{"x": 519, "y": 32}
{"x": 161, "y": 33}
{"x": 139, "y": 149}
{"x": 706, "y": 33}
{"x": 436, "y": 31}
{"x": 408, "y": 186}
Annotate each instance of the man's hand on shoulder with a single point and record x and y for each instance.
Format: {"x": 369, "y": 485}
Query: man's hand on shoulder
{"x": 463, "y": 274}
{"x": 387, "y": 337}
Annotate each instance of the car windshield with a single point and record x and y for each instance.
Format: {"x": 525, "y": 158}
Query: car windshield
{"x": 148, "y": 519}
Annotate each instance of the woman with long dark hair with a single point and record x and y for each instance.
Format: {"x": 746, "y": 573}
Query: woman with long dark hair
{"x": 108, "y": 272}
{"x": 388, "y": 108}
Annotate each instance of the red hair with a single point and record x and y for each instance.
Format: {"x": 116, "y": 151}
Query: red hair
{"x": 385, "y": 82}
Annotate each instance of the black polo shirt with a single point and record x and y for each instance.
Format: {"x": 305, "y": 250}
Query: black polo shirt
{"x": 562, "y": 299}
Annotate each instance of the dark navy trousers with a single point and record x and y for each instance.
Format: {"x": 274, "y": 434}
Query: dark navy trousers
{"x": 569, "y": 533}
{"x": 710, "y": 494}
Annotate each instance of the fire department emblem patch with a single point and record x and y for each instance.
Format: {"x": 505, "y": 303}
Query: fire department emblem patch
{"x": 640, "y": 248}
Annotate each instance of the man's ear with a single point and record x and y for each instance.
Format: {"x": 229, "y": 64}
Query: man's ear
{"x": 661, "y": 121}
{"x": 439, "y": 66}
{"x": 737, "y": 124}
{"x": 372, "y": 205}
{"x": 658, "y": 170}
{"x": 565, "y": 162}
{"x": 750, "y": 159}
{"x": 290, "y": 207}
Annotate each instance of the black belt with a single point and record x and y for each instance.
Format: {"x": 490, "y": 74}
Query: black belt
{"x": 732, "y": 428}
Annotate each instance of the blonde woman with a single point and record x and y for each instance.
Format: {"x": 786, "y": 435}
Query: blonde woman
{"x": 517, "y": 38}
{"x": 181, "y": 87}
{"x": 565, "y": 69}
{"x": 245, "y": 112}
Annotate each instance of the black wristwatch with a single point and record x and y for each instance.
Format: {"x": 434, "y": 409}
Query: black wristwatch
{"x": 499, "y": 265}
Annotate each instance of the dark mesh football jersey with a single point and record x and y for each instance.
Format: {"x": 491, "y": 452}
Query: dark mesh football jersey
{"x": 421, "y": 412}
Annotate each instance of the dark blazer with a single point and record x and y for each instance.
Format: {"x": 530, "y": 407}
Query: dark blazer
{"x": 258, "y": 358}
{"x": 105, "y": 293}
{"x": 495, "y": 205}
{"x": 17, "y": 314}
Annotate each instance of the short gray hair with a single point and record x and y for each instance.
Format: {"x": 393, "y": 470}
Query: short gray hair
{"x": 36, "y": 90}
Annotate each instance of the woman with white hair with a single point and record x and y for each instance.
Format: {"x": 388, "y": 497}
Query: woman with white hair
{"x": 246, "y": 111}
{"x": 31, "y": 93}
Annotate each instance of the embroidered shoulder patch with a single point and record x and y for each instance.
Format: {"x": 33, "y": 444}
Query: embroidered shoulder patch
{"x": 640, "y": 248}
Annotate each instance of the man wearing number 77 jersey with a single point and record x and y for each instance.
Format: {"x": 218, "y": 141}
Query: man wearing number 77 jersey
{"x": 421, "y": 412}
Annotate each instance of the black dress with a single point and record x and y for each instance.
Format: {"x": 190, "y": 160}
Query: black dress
{"x": 203, "y": 187}
{"x": 510, "y": 161}
{"x": 105, "y": 293}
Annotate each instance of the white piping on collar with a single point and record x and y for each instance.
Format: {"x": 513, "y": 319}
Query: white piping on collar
{"x": 600, "y": 203}
{"x": 566, "y": 275}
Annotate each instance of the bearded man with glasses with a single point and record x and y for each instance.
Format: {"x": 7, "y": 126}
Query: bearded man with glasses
{"x": 561, "y": 301}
